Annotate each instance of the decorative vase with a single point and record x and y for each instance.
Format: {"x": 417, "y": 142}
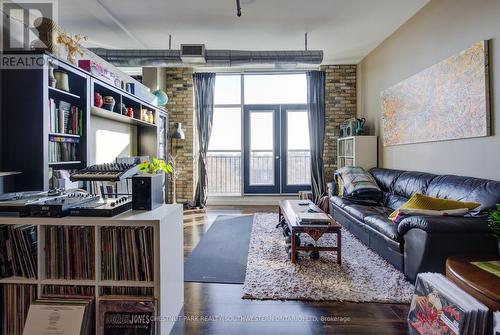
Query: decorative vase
{"x": 52, "y": 78}
{"x": 162, "y": 97}
{"x": 130, "y": 112}
{"x": 124, "y": 109}
{"x": 98, "y": 101}
{"x": 62, "y": 81}
{"x": 109, "y": 103}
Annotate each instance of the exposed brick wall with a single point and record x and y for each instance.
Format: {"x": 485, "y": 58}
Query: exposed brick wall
{"x": 179, "y": 88}
{"x": 340, "y": 105}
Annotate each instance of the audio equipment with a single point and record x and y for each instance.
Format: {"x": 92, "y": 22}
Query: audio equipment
{"x": 348, "y": 127}
{"x": 147, "y": 191}
{"x": 106, "y": 172}
{"x": 58, "y": 206}
{"x": 103, "y": 207}
{"x": 17, "y": 201}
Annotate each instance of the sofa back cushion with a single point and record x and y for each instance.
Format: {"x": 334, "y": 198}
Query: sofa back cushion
{"x": 486, "y": 192}
{"x": 385, "y": 178}
{"x": 394, "y": 201}
{"x": 409, "y": 183}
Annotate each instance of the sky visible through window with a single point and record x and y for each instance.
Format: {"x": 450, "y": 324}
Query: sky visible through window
{"x": 258, "y": 89}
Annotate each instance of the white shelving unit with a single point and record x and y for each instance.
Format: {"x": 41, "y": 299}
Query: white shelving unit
{"x": 357, "y": 151}
{"x": 168, "y": 257}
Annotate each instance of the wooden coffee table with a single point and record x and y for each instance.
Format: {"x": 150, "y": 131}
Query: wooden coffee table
{"x": 481, "y": 284}
{"x": 288, "y": 210}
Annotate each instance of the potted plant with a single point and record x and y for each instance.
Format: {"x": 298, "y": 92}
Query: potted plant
{"x": 147, "y": 186}
{"x": 494, "y": 219}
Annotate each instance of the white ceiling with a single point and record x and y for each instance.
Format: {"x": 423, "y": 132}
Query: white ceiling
{"x": 346, "y": 30}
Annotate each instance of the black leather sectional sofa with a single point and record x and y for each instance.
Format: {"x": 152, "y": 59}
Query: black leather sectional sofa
{"x": 420, "y": 243}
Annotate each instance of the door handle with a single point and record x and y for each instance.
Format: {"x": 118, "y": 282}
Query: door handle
{"x": 277, "y": 157}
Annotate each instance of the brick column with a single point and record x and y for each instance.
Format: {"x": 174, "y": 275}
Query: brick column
{"x": 340, "y": 105}
{"x": 179, "y": 88}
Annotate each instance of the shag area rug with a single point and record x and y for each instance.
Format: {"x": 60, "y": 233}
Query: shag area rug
{"x": 363, "y": 276}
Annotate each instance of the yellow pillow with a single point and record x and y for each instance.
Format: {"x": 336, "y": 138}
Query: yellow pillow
{"x": 340, "y": 187}
{"x": 420, "y": 201}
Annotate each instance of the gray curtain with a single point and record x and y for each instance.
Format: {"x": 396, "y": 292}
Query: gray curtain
{"x": 204, "y": 109}
{"x": 316, "y": 110}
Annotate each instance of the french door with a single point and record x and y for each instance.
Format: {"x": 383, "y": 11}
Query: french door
{"x": 276, "y": 149}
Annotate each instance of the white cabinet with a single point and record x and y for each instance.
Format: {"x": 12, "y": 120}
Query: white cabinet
{"x": 357, "y": 151}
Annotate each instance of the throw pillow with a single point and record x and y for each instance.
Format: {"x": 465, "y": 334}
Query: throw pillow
{"x": 355, "y": 182}
{"x": 406, "y": 212}
{"x": 420, "y": 201}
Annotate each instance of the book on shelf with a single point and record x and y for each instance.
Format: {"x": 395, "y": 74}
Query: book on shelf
{"x": 53, "y": 315}
{"x": 439, "y": 306}
{"x": 62, "y": 149}
{"x": 68, "y": 290}
{"x": 18, "y": 251}
{"x": 69, "y": 252}
{"x": 65, "y": 118}
{"x": 15, "y": 300}
{"x": 127, "y": 291}
{"x": 126, "y": 315}
{"x": 127, "y": 253}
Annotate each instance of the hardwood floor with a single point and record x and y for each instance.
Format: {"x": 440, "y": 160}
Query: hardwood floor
{"x": 219, "y": 309}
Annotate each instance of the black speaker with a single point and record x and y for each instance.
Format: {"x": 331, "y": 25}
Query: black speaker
{"x": 147, "y": 191}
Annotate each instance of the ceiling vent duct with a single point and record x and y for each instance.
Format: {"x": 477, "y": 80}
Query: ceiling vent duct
{"x": 193, "y": 53}
{"x": 225, "y": 58}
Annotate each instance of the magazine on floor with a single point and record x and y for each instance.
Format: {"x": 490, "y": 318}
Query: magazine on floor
{"x": 440, "y": 307}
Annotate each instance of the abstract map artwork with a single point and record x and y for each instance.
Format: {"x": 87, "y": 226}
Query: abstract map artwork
{"x": 449, "y": 100}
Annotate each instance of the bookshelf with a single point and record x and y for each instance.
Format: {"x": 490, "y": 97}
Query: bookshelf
{"x": 357, "y": 151}
{"x": 32, "y": 143}
{"x": 167, "y": 283}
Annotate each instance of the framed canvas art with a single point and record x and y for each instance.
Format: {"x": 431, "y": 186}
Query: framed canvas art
{"x": 449, "y": 100}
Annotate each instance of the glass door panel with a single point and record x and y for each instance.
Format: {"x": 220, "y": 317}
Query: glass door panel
{"x": 261, "y": 141}
{"x": 262, "y": 148}
{"x": 296, "y": 169}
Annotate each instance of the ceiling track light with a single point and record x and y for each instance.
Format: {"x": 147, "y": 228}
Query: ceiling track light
{"x": 238, "y": 8}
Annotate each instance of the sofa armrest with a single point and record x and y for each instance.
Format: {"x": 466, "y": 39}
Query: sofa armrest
{"x": 332, "y": 189}
{"x": 445, "y": 224}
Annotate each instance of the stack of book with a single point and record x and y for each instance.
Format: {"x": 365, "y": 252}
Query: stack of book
{"x": 307, "y": 218}
{"x": 65, "y": 118}
{"x": 18, "y": 251}
{"x": 69, "y": 252}
{"x": 127, "y": 253}
{"x": 15, "y": 301}
{"x": 63, "y": 149}
{"x": 441, "y": 307}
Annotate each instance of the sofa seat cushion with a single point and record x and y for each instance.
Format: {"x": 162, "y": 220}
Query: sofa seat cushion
{"x": 341, "y": 202}
{"x": 360, "y": 211}
{"x": 383, "y": 225}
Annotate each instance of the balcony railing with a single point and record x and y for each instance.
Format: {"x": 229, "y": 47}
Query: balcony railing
{"x": 298, "y": 167}
{"x": 224, "y": 170}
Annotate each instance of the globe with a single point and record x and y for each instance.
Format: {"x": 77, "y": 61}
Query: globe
{"x": 161, "y": 96}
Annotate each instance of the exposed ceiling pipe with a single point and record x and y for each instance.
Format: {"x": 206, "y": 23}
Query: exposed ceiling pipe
{"x": 134, "y": 58}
